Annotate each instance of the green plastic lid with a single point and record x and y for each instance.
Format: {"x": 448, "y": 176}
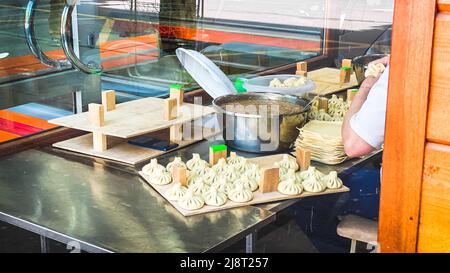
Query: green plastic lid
{"x": 220, "y": 147}
{"x": 176, "y": 86}
{"x": 239, "y": 85}
{"x": 346, "y": 68}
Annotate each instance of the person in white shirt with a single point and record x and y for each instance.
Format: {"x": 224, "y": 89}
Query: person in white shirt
{"x": 363, "y": 126}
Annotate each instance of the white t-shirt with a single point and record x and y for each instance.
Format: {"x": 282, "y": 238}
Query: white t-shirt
{"x": 369, "y": 122}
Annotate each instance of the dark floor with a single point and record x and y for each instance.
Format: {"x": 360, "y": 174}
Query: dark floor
{"x": 307, "y": 226}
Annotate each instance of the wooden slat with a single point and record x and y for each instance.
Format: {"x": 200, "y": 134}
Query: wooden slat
{"x": 444, "y": 5}
{"x": 407, "y": 103}
{"x": 434, "y": 227}
{"x": 438, "y": 129}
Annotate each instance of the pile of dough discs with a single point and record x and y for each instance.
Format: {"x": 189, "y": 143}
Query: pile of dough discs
{"x": 288, "y": 83}
{"x": 232, "y": 179}
{"x": 310, "y": 180}
{"x": 374, "y": 70}
{"x": 337, "y": 108}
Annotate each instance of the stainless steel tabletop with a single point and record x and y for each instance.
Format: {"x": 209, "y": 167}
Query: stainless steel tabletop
{"x": 65, "y": 197}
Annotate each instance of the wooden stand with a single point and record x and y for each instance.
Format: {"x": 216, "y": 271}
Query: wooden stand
{"x": 177, "y": 92}
{"x": 109, "y": 100}
{"x": 179, "y": 174}
{"x": 96, "y": 114}
{"x": 345, "y": 75}
{"x": 170, "y": 109}
{"x": 217, "y": 152}
{"x": 303, "y": 158}
{"x": 323, "y": 104}
{"x": 351, "y": 94}
{"x": 302, "y": 69}
{"x": 269, "y": 180}
{"x": 346, "y": 63}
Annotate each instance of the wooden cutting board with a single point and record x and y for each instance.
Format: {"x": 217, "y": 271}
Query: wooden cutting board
{"x": 327, "y": 81}
{"x": 258, "y": 198}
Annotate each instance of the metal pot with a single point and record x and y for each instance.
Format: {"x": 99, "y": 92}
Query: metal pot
{"x": 259, "y": 132}
{"x": 360, "y": 65}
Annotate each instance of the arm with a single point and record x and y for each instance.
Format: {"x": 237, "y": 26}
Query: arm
{"x": 354, "y": 145}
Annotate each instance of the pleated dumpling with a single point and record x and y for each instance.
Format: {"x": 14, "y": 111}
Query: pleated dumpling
{"x": 240, "y": 194}
{"x": 287, "y": 162}
{"x": 214, "y": 197}
{"x": 210, "y": 176}
{"x": 333, "y": 102}
{"x": 229, "y": 173}
{"x": 311, "y": 172}
{"x": 247, "y": 183}
{"x": 175, "y": 192}
{"x": 322, "y": 115}
{"x": 313, "y": 112}
{"x": 222, "y": 184}
{"x": 152, "y": 167}
{"x": 176, "y": 162}
{"x": 196, "y": 162}
{"x": 191, "y": 201}
{"x": 291, "y": 174}
{"x": 160, "y": 177}
{"x": 253, "y": 172}
{"x": 234, "y": 159}
{"x": 312, "y": 184}
{"x": 199, "y": 186}
{"x": 290, "y": 186}
{"x": 201, "y": 170}
{"x": 241, "y": 166}
{"x": 332, "y": 181}
{"x": 220, "y": 166}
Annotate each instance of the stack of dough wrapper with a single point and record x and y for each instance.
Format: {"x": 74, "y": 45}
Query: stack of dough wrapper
{"x": 323, "y": 139}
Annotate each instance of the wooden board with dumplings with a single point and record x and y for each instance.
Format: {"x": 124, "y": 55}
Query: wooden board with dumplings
{"x": 196, "y": 187}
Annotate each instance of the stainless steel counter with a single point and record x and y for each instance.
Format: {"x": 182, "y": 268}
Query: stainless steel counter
{"x": 106, "y": 209}
{"x": 105, "y": 206}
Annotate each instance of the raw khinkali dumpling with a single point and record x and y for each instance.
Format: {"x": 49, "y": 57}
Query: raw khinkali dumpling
{"x": 315, "y": 102}
{"x": 313, "y": 112}
{"x": 214, "y": 197}
{"x": 196, "y": 162}
{"x": 191, "y": 177}
{"x": 275, "y": 83}
{"x": 291, "y": 174}
{"x": 290, "y": 186}
{"x": 332, "y": 181}
{"x": 222, "y": 184}
{"x": 176, "y": 162}
{"x": 176, "y": 192}
{"x": 240, "y": 194}
{"x": 229, "y": 173}
{"x": 312, "y": 184}
{"x": 332, "y": 103}
{"x": 241, "y": 166}
{"x": 287, "y": 162}
{"x": 322, "y": 115}
{"x": 234, "y": 159}
{"x": 191, "y": 201}
{"x": 160, "y": 177}
{"x": 340, "y": 112}
{"x": 220, "y": 166}
{"x": 253, "y": 172}
{"x": 248, "y": 183}
{"x": 152, "y": 167}
{"x": 374, "y": 70}
{"x": 311, "y": 172}
{"x": 201, "y": 170}
{"x": 210, "y": 176}
{"x": 199, "y": 186}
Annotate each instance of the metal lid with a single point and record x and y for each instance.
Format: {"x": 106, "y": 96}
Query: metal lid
{"x": 205, "y": 73}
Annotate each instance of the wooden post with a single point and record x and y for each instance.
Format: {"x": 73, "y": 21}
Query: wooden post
{"x": 176, "y": 132}
{"x": 347, "y": 62}
{"x": 96, "y": 114}
{"x": 323, "y": 104}
{"x": 99, "y": 142}
{"x": 303, "y": 158}
{"x": 179, "y": 174}
{"x": 170, "y": 109}
{"x": 217, "y": 152}
{"x": 351, "y": 94}
{"x": 109, "y": 100}
{"x": 177, "y": 92}
{"x": 345, "y": 74}
{"x": 302, "y": 69}
{"x": 269, "y": 180}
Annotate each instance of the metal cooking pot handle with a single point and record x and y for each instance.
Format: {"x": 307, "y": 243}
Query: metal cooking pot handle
{"x": 32, "y": 42}
{"x": 66, "y": 18}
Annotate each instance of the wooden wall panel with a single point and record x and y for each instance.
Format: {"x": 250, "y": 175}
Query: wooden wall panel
{"x": 444, "y": 5}
{"x": 434, "y": 223}
{"x": 439, "y": 109}
{"x": 407, "y": 105}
